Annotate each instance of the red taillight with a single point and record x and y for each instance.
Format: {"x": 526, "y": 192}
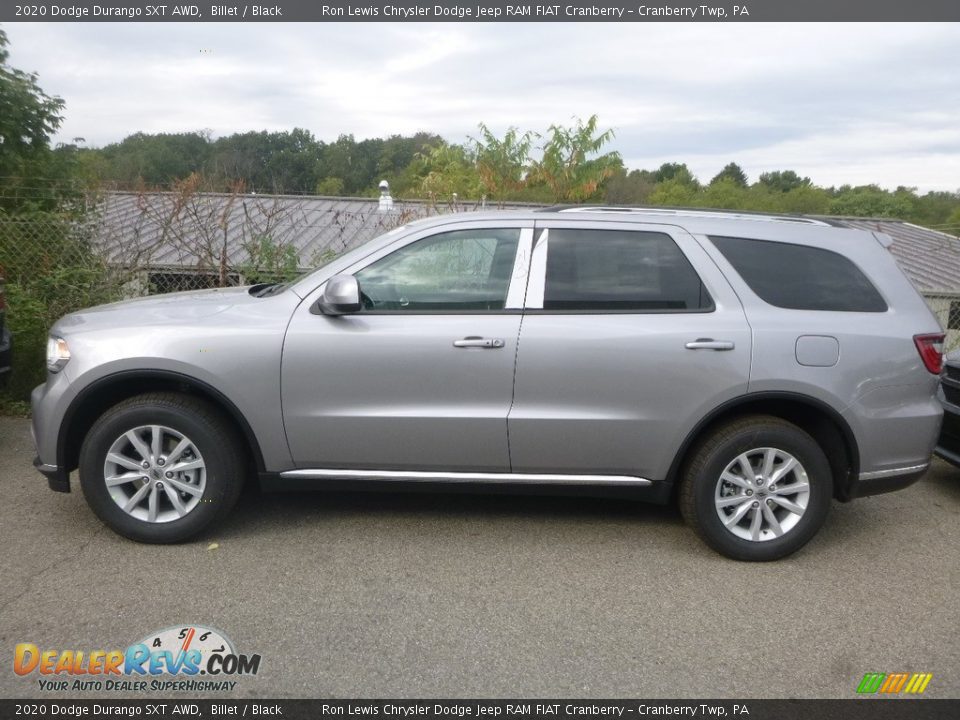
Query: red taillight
{"x": 930, "y": 348}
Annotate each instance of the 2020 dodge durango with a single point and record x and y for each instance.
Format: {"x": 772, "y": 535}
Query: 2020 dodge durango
{"x": 750, "y": 368}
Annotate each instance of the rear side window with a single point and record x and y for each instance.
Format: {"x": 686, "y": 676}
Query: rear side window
{"x": 799, "y": 277}
{"x": 613, "y": 270}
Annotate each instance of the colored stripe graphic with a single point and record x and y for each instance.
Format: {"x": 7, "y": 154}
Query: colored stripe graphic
{"x": 918, "y": 683}
{"x": 871, "y": 682}
{"x": 894, "y": 683}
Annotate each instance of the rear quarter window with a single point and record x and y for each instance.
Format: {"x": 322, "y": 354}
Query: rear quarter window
{"x": 799, "y": 277}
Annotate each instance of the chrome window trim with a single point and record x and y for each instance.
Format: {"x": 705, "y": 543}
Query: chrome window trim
{"x": 538, "y": 272}
{"x": 517, "y": 292}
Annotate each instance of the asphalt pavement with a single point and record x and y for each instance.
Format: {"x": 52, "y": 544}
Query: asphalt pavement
{"x": 396, "y": 595}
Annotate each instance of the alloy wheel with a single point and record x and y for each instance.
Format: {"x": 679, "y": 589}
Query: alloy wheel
{"x": 762, "y": 494}
{"x": 155, "y": 473}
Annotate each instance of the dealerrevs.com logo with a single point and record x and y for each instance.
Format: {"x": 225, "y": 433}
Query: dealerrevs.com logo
{"x": 186, "y": 657}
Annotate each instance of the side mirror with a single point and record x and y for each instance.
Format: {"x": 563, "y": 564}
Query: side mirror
{"x": 340, "y": 296}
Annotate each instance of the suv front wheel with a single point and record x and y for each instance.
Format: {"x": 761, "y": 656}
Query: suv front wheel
{"x": 161, "y": 467}
{"x": 757, "y": 488}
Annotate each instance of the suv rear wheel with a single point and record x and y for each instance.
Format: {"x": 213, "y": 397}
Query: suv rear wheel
{"x": 161, "y": 467}
{"x": 757, "y": 488}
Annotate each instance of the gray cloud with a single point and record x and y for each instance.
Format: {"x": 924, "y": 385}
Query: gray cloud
{"x": 840, "y": 103}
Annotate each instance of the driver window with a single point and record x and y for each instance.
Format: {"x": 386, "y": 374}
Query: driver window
{"x": 449, "y": 272}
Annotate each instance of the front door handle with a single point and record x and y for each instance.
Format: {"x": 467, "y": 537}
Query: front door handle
{"x": 710, "y": 344}
{"x": 479, "y": 342}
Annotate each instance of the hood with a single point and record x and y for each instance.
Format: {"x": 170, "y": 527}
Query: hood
{"x": 158, "y": 309}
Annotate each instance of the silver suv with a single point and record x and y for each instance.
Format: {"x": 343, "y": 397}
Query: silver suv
{"x": 751, "y": 368}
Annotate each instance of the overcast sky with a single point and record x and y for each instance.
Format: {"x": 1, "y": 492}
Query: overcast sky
{"x": 842, "y": 103}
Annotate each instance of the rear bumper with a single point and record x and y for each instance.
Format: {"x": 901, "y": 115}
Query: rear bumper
{"x": 896, "y": 428}
{"x": 884, "y": 481}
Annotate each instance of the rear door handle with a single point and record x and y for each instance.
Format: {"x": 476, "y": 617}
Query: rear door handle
{"x": 710, "y": 344}
{"x": 479, "y": 342}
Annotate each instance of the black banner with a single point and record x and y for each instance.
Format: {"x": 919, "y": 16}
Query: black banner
{"x": 853, "y": 709}
{"x": 482, "y": 11}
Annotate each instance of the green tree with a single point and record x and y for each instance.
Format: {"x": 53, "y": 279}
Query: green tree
{"x": 28, "y": 116}
{"x": 398, "y": 152}
{"x": 44, "y": 253}
{"x": 448, "y": 170}
{"x": 356, "y": 163}
{"x": 269, "y": 260}
{"x": 29, "y": 170}
{"x": 732, "y": 172}
{"x": 633, "y": 188}
{"x": 678, "y": 172}
{"x": 934, "y": 208}
{"x": 952, "y": 224}
{"x": 871, "y": 201}
{"x": 675, "y": 193}
{"x": 782, "y": 180}
{"x": 502, "y": 163}
{"x": 157, "y": 159}
{"x": 267, "y": 162}
{"x": 726, "y": 193}
{"x": 804, "y": 200}
{"x": 571, "y": 165}
{"x": 329, "y": 186}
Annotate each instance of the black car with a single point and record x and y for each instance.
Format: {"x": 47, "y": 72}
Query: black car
{"x": 6, "y": 345}
{"x": 948, "y": 446}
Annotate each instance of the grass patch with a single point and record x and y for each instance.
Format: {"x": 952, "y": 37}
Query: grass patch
{"x": 14, "y": 408}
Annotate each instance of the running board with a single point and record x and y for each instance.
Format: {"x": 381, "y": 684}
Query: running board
{"x": 465, "y": 477}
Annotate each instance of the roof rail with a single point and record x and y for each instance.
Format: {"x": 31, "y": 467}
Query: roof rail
{"x": 733, "y": 214}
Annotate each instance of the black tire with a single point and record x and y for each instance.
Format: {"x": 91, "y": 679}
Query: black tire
{"x": 702, "y": 472}
{"x": 211, "y": 434}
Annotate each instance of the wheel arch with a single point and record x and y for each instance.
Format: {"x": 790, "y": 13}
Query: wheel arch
{"x": 820, "y": 420}
{"x": 107, "y": 391}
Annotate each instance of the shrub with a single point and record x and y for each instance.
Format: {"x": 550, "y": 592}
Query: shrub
{"x": 51, "y": 271}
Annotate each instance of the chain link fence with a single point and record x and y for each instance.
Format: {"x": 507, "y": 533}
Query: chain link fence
{"x": 946, "y": 306}
{"x": 145, "y": 244}
{"x": 125, "y": 244}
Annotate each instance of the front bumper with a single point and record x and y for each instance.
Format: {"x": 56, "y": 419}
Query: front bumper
{"x": 948, "y": 444}
{"x": 46, "y": 401}
{"x": 6, "y": 353}
{"x": 57, "y": 479}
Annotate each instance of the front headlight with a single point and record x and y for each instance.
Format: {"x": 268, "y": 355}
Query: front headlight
{"x": 58, "y": 354}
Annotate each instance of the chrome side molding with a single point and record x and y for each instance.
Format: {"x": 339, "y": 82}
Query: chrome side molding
{"x": 465, "y": 477}
{"x": 875, "y": 474}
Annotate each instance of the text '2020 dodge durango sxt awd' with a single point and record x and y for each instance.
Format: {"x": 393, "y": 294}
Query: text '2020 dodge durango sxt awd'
{"x": 750, "y": 368}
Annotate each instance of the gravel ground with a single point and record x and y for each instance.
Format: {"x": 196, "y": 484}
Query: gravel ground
{"x": 364, "y": 595}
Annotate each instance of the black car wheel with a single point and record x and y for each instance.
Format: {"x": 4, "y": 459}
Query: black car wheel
{"x": 758, "y": 488}
{"x": 161, "y": 467}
